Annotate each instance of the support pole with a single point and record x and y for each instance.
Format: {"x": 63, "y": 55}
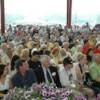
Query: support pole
{"x": 69, "y": 13}
{"x": 2, "y": 16}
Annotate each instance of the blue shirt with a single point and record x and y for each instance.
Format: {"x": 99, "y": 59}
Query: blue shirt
{"x": 24, "y": 81}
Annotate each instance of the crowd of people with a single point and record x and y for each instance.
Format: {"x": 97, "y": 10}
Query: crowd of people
{"x": 50, "y": 54}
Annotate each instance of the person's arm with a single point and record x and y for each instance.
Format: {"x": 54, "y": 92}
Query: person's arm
{"x": 35, "y": 79}
{"x": 34, "y": 76}
{"x": 10, "y": 84}
{"x": 63, "y": 79}
{"x": 97, "y": 79}
{"x": 78, "y": 73}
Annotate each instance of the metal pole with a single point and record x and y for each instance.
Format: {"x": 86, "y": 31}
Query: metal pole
{"x": 2, "y": 16}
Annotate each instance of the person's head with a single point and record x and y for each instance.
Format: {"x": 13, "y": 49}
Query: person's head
{"x": 24, "y": 54}
{"x": 45, "y": 60}
{"x": 35, "y": 55}
{"x": 67, "y": 63}
{"x": 3, "y": 70}
{"x": 19, "y": 49}
{"x": 4, "y": 46}
{"x": 36, "y": 44}
{"x": 97, "y": 58}
{"x": 55, "y": 51}
{"x": 85, "y": 41}
{"x": 50, "y": 45}
{"x": 79, "y": 48}
{"x": 47, "y": 52}
{"x": 82, "y": 59}
{"x": 92, "y": 40}
{"x": 63, "y": 33}
{"x": 56, "y": 44}
{"x": 98, "y": 45}
{"x": 21, "y": 66}
{"x": 66, "y": 45}
{"x": 9, "y": 51}
{"x": 43, "y": 47}
{"x": 30, "y": 44}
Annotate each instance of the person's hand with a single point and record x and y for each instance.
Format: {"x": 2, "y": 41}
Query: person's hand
{"x": 98, "y": 96}
{"x": 79, "y": 85}
{"x": 89, "y": 83}
{"x": 1, "y": 94}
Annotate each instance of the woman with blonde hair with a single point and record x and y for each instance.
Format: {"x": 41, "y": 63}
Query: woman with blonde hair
{"x": 56, "y": 56}
{"x": 17, "y": 51}
{"x": 24, "y": 54}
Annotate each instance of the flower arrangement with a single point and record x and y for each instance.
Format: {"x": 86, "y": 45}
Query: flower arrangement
{"x": 43, "y": 92}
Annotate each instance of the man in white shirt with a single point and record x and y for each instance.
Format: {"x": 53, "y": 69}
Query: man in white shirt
{"x": 67, "y": 72}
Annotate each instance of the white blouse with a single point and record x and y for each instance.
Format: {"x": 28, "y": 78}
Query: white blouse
{"x": 64, "y": 76}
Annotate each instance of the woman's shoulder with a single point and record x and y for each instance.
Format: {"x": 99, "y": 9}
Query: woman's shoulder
{"x": 61, "y": 70}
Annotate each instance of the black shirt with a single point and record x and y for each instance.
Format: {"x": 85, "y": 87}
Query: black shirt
{"x": 34, "y": 65}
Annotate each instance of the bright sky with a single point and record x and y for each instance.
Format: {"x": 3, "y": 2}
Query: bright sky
{"x": 35, "y": 7}
{"x": 41, "y": 8}
{"x": 86, "y": 7}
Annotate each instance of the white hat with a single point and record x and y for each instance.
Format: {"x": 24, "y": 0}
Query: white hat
{"x": 34, "y": 49}
{"x": 43, "y": 46}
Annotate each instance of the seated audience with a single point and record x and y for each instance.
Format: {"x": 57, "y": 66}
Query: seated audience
{"x": 30, "y": 57}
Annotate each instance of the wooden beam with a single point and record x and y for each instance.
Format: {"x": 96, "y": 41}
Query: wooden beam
{"x": 2, "y": 16}
{"x": 69, "y": 13}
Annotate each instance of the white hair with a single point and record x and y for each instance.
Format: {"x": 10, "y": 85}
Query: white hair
{"x": 44, "y": 58}
{"x": 64, "y": 43}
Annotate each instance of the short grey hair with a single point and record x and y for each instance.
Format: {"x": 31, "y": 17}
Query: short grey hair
{"x": 44, "y": 58}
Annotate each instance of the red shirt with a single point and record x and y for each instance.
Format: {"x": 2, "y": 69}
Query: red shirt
{"x": 96, "y": 50}
{"x": 85, "y": 48}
